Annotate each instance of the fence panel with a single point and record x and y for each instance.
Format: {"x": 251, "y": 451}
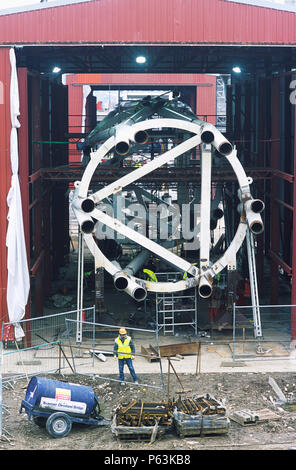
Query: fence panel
{"x": 41, "y": 350}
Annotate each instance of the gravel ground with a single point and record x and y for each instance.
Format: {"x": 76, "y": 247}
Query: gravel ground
{"x": 236, "y": 391}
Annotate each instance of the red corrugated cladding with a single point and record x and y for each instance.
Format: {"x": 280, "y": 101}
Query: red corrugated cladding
{"x": 151, "y": 21}
{"x": 75, "y": 101}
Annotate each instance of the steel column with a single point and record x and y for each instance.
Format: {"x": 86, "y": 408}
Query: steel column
{"x": 36, "y": 213}
{"x": 23, "y": 140}
{"x": 262, "y": 113}
{"x": 275, "y": 163}
{"x": 293, "y": 293}
{"x": 46, "y": 202}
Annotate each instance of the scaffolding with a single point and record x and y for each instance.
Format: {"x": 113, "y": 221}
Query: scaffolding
{"x": 169, "y": 305}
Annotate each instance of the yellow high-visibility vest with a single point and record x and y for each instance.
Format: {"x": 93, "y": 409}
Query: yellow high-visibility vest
{"x": 151, "y": 275}
{"x": 124, "y": 350}
{"x": 185, "y": 275}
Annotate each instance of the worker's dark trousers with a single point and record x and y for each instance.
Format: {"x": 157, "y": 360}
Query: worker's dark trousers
{"x": 129, "y": 364}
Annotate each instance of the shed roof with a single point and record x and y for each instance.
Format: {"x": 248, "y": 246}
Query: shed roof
{"x": 148, "y": 22}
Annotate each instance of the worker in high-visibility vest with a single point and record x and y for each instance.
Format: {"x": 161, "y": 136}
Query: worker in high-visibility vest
{"x": 150, "y": 275}
{"x": 218, "y": 277}
{"x": 123, "y": 350}
{"x": 185, "y": 275}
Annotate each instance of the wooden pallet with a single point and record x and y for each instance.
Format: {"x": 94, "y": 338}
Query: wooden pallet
{"x": 142, "y": 433}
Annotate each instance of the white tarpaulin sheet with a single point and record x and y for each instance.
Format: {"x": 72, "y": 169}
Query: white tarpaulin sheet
{"x": 18, "y": 281}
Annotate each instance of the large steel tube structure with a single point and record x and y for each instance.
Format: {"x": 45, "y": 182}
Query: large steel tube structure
{"x": 135, "y": 128}
{"x": 124, "y": 282}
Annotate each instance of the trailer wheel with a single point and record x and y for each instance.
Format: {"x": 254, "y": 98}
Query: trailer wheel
{"x": 58, "y": 425}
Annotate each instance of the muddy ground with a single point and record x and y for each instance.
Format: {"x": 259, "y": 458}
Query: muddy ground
{"x": 236, "y": 391}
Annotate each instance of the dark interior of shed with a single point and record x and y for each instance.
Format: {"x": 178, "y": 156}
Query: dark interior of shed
{"x": 259, "y": 121}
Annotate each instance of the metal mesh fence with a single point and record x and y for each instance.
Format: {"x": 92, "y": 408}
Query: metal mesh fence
{"x": 274, "y": 342}
{"x": 42, "y": 349}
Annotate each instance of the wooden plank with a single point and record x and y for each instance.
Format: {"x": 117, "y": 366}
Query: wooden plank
{"x": 150, "y": 355}
{"x": 266, "y": 414}
{"x": 183, "y": 349}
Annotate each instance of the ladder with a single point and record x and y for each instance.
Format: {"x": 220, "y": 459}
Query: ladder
{"x": 165, "y": 310}
{"x": 170, "y": 305}
{"x": 253, "y": 284}
{"x": 168, "y": 315}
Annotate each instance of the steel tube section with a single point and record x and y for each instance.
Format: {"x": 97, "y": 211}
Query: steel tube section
{"x": 121, "y": 280}
{"x": 254, "y": 221}
{"x": 205, "y": 207}
{"x": 83, "y": 204}
{"x": 141, "y": 137}
{"x": 101, "y": 261}
{"x": 252, "y": 209}
{"x": 135, "y": 290}
{"x": 217, "y": 213}
{"x": 112, "y": 122}
{"x": 210, "y": 135}
{"x": 255, "y": 205}
{"x": 80, "y": 286}
{"x": 123, "y": 139}
{"x": 86, "y": 223}
{"x": 205, "y": 288}
{"x": 133, "y": 267}
{"x": 124, "y": 282}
